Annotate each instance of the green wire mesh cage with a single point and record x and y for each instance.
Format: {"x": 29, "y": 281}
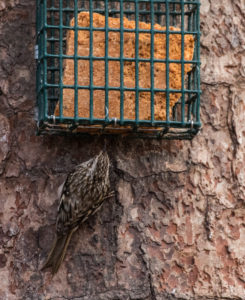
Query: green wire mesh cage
{"x": 127, "y": 67}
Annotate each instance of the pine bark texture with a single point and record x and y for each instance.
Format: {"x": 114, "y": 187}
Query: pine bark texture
{"x": 176, "y": 227}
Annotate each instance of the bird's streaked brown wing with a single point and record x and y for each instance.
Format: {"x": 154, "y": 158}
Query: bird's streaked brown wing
{"x": 82, "y": 194}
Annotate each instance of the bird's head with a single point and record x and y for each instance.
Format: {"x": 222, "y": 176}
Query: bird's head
{"x": 103, "y": 160}
{"x": 100, "y": 164}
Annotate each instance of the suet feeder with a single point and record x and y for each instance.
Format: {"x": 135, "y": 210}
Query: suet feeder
{"x": 119, "y": 67}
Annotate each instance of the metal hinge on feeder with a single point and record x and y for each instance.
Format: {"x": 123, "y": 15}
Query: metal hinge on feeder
{"x": 36, "y": 52}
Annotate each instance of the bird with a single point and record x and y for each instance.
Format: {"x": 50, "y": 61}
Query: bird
{"x": 82, "y": 195}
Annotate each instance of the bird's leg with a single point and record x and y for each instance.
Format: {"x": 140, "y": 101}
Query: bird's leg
{"x": 111, "y": 194}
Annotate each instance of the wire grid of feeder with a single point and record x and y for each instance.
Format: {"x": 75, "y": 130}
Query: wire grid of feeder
{"x": 53, "y": 24}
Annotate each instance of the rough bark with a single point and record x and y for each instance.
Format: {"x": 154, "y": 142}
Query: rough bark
{"x": 175, "y": 229}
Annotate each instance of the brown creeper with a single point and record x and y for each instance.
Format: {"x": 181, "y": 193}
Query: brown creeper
{"x": 83, "y": 193}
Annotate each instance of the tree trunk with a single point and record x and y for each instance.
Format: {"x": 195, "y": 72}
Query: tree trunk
{"x": 175, "y": 228}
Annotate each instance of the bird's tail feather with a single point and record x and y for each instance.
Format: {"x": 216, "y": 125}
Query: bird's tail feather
{"x": 58, "y": 251}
